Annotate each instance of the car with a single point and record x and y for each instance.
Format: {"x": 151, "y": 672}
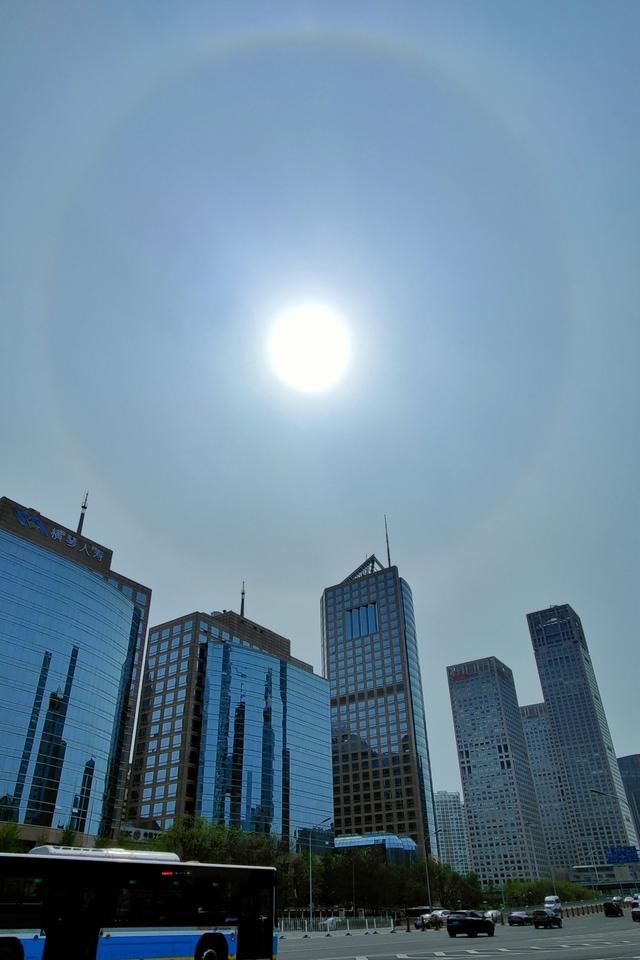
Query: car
{"x": 628, "y": 899}
{"x": 470, "y": 923}
{"x": 612, "y": 908}
{"x": 635, "y": 914}
{"x": 494, "y": 915}
{"x": 519, "y": 918}
{"x": 329, "y": 923}
{"x": 546, "y": 919}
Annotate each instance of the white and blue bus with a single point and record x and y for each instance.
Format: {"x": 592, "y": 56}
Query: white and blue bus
{"x": 65, "y": 903}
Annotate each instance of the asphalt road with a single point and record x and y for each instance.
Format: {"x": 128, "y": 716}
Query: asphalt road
{"x": 593, "y": 937}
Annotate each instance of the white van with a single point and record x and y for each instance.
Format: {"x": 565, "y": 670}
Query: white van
{"x": 552, "y": 902}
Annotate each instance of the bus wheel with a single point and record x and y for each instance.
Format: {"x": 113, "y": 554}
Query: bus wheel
{"x": 210, "y": 948}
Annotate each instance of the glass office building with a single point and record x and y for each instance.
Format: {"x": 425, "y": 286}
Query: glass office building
{"x": 381, "y": 767}
{"x": 67, "y": 640}
{"x": 232, "y": 731}
{"x": 599, "y": 807}
{"x": 503, "y": 820}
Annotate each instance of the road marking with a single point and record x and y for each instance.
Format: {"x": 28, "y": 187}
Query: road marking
{"x": 471, "y": 951}
{"x": 439, "y": 953}
{"x": 402, "y": 956}
{"x": 504, "y": 950}
{"x": 362, "y": 958}
{"x": 537, "y": 948}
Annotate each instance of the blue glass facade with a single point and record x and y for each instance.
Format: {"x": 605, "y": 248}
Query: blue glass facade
{"x": 65, "y": 634}
{"x": 265, "y": 760}
{"x": 381, "y": 769}
{"x": 233, "y": 729}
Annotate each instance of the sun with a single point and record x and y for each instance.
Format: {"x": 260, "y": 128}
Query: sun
{"x": 309, "y": 347}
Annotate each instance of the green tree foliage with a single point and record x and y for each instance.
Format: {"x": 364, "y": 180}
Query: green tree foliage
{"x": 522, "y": 893}
{"x": 10, "y": 841}
{"x": 353, "y": 880}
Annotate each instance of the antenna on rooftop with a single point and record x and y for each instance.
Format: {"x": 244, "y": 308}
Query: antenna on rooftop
{"x": 242, "y": 601}
{"x": 386, "y": 533}
{"x": 83, "y": 510}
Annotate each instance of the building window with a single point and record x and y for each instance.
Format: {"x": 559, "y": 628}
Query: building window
{"x": 361, "y": 621}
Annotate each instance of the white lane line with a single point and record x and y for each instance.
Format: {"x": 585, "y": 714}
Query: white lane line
{"x": 537, "y": 948}
{"x": 504, "y": 950}
{"x": 362, "y": 958}
{"x": 471, "y": 951}
{"x": 402, "y": 956}
{"x": 439, "y": 953}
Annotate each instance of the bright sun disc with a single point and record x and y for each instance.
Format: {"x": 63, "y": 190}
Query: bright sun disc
{"x": 309, "y": 347}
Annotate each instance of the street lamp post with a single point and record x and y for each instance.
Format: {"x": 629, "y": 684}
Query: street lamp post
{"x": 311, "y": 829}
{"x": 426, "y": 867}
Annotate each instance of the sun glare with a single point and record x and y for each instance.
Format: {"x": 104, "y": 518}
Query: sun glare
{"x": 309, "y": 347}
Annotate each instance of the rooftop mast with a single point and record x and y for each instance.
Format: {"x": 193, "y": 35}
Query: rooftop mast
{"x": 386, "y": 533}
{"x": 83, "y": 510}
{"x": 242, "y": 601}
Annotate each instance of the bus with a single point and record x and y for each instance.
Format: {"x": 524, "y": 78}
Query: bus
{"x": 65, "y": 903}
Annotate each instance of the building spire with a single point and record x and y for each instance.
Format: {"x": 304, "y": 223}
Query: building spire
{"x": 242, "y": 601}
{"x": 386, "y": 533}
{"x": 83, "y": 510}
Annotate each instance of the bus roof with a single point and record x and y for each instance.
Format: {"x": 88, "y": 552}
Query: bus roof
{"x": 104, "y": 853}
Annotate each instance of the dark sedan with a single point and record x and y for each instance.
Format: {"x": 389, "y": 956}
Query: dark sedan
{"x": 635, "y": 914}
{"x": 470, "y": 923}
{"x": 518, "y": 919}
{"x": 546, "y": 918}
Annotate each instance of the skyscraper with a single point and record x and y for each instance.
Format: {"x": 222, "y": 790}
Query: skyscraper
{"x": 452, "y": 830}
{"x": 70, "y": 635}
{"x": 503, "y": 819}
{"x": 600, "y": 810}
{"x": 233, "y": 729}
{"x": 550, "y": 781}
{"x": 381, "y": 768}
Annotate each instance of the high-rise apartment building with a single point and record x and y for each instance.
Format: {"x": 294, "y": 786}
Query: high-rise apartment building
{"x": 600, "y": 811}
{"x": 550, "y": 782}
{"x": 630, "y": 772}
{"x": 233, "y": 729}
{"x": 71, "y": 630}
{"x": 381, "y": 768}
{"x": 452, "y": 830}
{"x": 503, "y": 819}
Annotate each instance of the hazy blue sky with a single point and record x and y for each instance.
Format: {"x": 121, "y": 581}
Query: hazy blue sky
{"x": 461, "y": 180}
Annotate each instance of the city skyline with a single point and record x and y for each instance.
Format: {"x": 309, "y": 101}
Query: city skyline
{"x": 457, "y": 183}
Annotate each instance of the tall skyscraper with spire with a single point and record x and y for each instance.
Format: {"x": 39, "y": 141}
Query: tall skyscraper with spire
{"x": 381, "y": 767}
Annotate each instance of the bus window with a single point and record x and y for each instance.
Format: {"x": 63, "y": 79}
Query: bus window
{"x": 21, "y": 902}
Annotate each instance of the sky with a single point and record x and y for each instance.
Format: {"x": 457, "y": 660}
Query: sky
{"x": 460, "y": 181}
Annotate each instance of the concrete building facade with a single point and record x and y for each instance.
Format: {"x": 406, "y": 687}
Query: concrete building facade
{"x": 599, "y": 809}
{"x": 503, "y": 819}
{"x": 453, "y": 842}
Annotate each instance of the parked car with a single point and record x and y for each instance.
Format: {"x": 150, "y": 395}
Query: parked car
{"x": 629, "y": 899}
{"x": 546, "y": 919}
{"x": 519, "y": 918}
{"x": 470, "y": 923}
{"x": 635, "y": 914}
{"x": 612, "y": 908}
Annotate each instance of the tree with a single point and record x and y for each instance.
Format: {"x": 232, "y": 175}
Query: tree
{"x": 10, "y": 841}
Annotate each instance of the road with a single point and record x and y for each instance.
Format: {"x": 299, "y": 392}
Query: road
{"x": 592, "y": 937}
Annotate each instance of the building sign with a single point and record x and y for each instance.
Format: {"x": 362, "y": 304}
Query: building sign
{"x": 622, "y": 855}
{"x": 38, "y": 529}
